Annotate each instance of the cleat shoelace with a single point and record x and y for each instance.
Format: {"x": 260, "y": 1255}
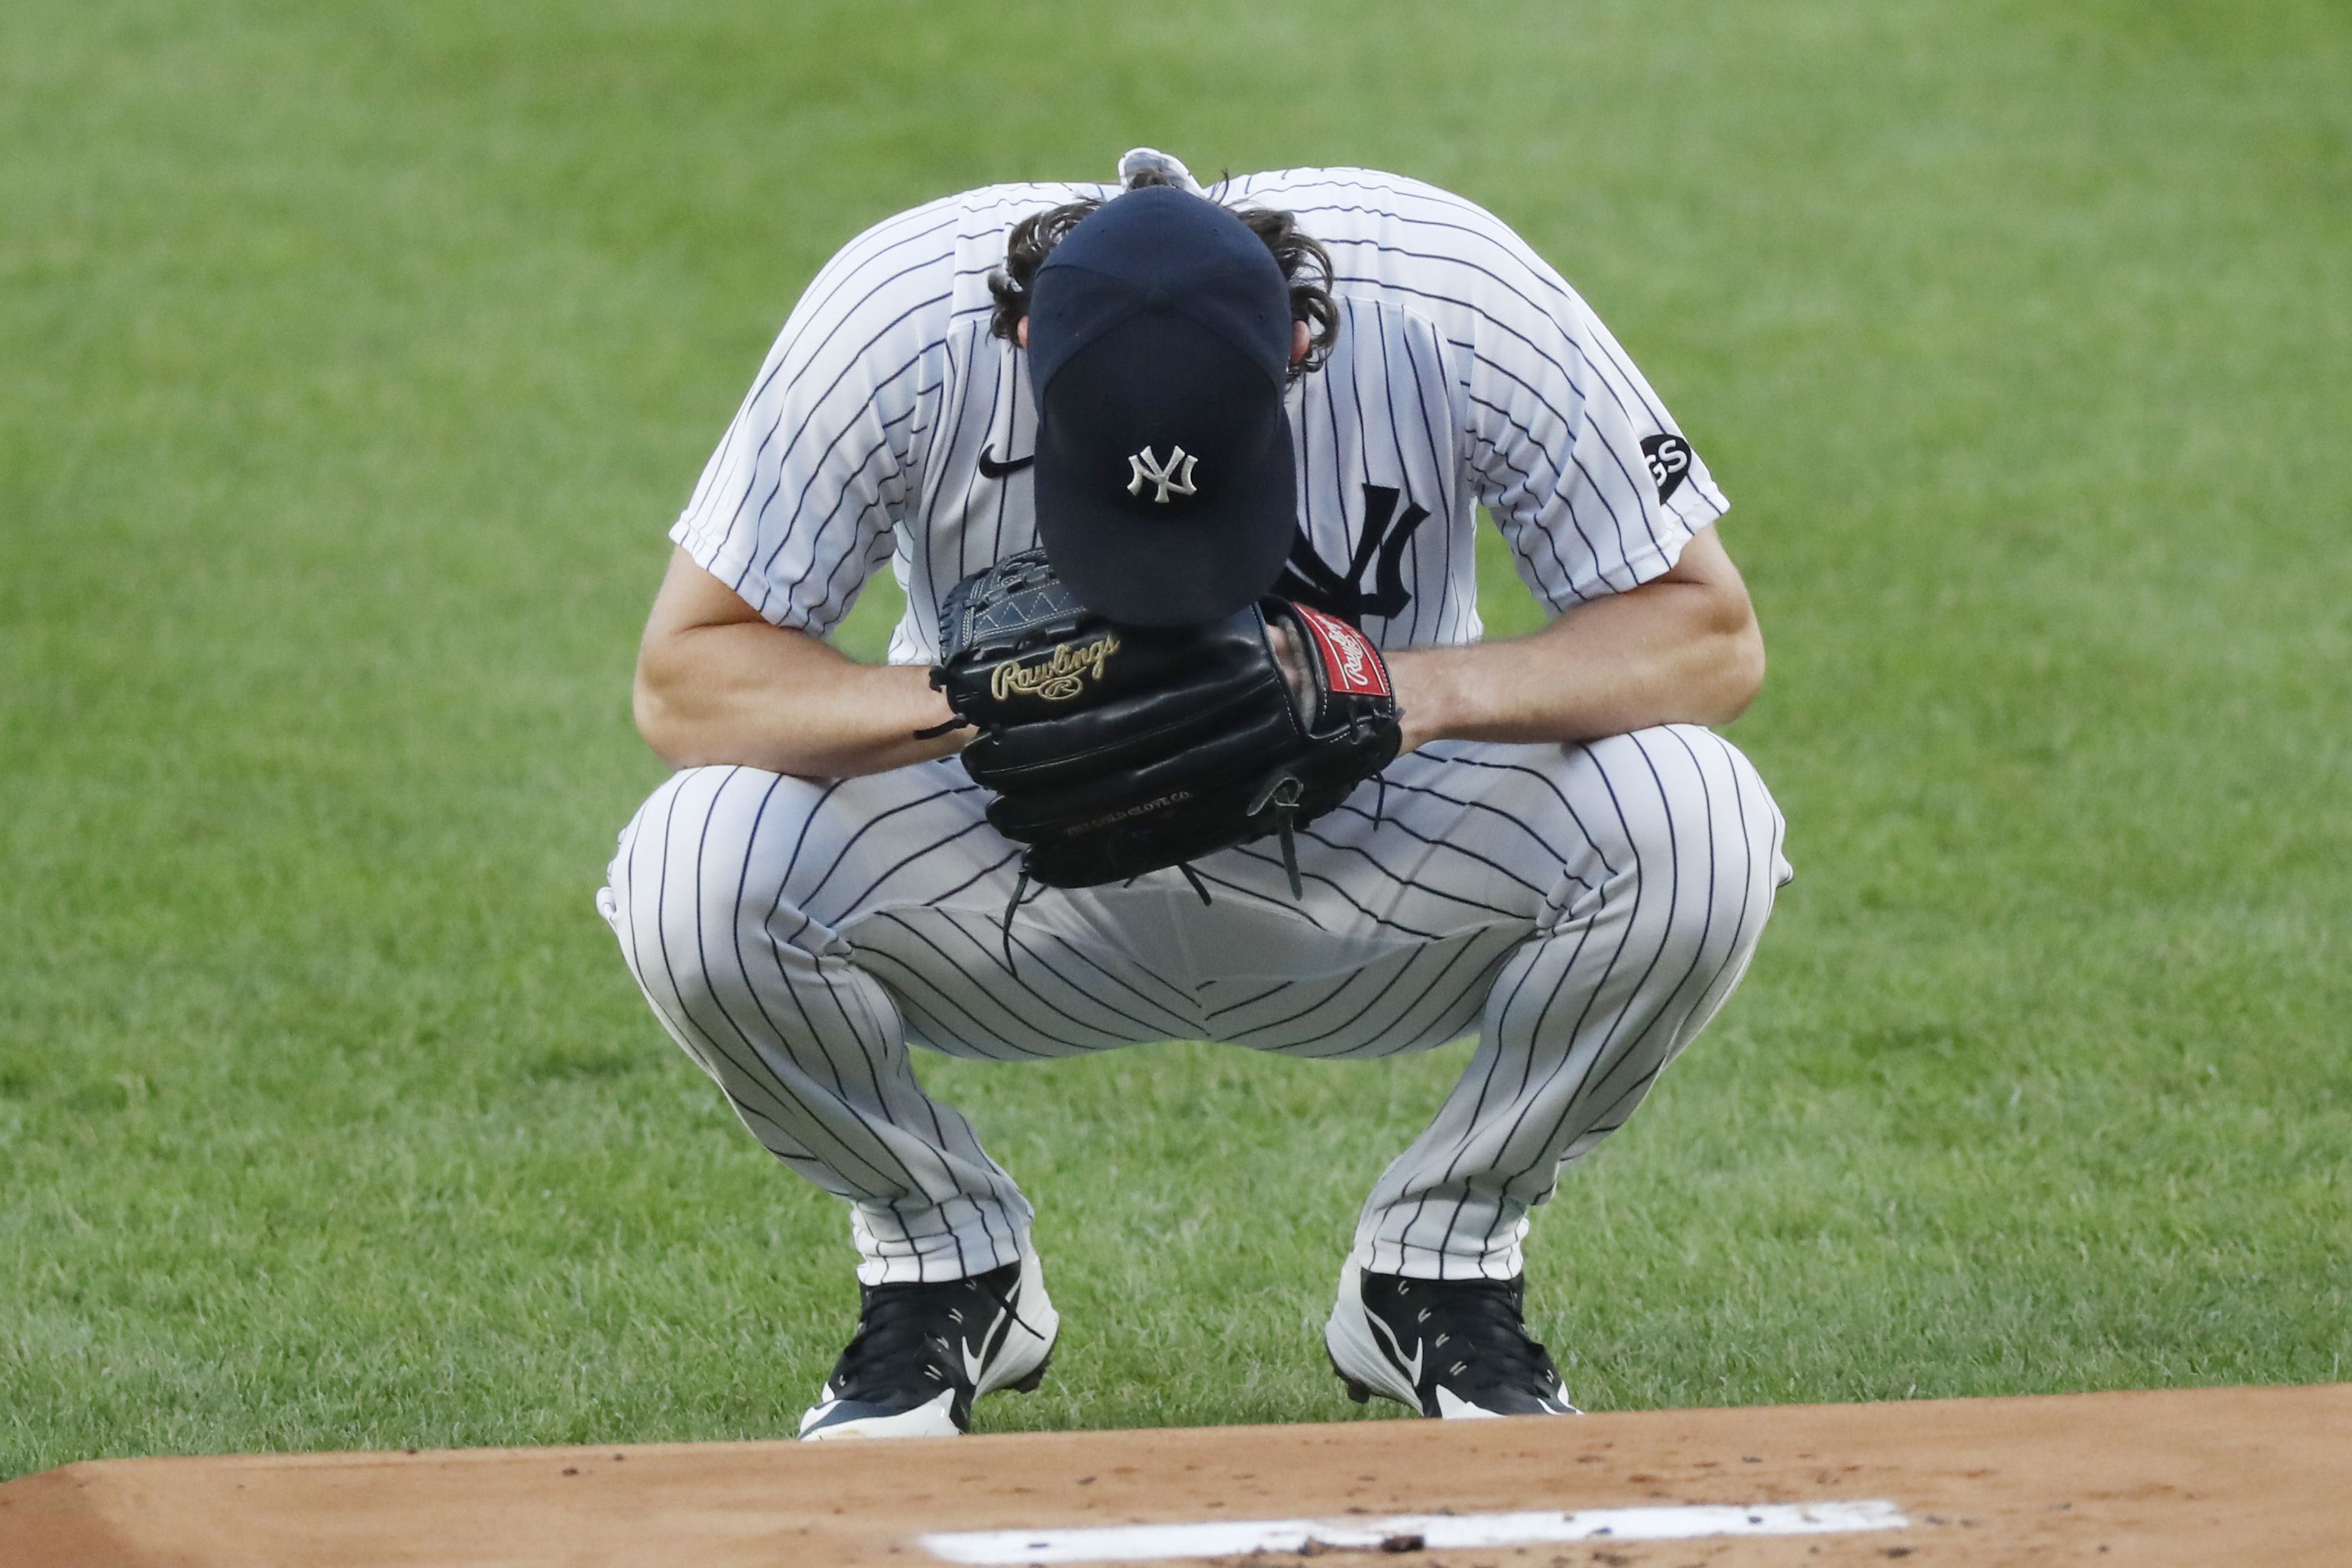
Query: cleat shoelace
{"x": 1480, "y": 1322}
{"x": 901, "y": 1326}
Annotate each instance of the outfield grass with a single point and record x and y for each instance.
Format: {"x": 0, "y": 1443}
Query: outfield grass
{"x": 352, "y": 358}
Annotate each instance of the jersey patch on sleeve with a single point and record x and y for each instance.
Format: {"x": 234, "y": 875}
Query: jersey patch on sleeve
{"x": 1669, "y": 458}
{"x": 1349, "y": 662}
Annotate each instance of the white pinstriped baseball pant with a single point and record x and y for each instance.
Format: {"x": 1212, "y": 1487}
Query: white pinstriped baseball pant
{"x": 1586, "y": 909}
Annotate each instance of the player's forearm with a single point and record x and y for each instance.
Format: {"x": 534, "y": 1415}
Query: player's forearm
{"x": 1671, "y": 652}
{"x": 751, "y": 693}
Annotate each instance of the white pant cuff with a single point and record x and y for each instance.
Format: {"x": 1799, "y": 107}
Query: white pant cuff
{"x": 968, "y": 1249}
{"x": 1429, "y": 1263}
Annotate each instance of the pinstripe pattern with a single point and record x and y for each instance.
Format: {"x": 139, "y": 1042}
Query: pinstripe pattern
{"x": 1585, "y": 909}
{"x": 1467, "y": 372}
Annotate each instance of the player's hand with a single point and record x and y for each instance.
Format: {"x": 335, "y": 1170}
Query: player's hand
{"x": 1113, "y": 750}
{"x": 1291, "y": 659}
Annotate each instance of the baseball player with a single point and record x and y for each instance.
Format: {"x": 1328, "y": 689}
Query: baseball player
{"x": 1560, "y": 859}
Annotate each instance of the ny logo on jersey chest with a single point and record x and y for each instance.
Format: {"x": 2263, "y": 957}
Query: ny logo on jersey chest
{"x": 1379, "y": 548}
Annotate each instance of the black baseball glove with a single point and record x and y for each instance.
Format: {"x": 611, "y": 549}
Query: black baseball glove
{"x": 1116, "y": 750}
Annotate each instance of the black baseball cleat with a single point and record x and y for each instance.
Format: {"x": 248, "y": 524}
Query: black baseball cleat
{"x": 922, "y": 1353}
{"x": 1454, "y": 1349}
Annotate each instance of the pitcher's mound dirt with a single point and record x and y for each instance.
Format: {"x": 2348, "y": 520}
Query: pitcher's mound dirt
{"x": 2211, "y": 1476}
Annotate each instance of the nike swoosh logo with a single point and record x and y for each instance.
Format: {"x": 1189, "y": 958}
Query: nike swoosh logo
{"x": 1411, "y": 1369}
{"x": 990, "y": 1343}
{"x": 990, "y": 468}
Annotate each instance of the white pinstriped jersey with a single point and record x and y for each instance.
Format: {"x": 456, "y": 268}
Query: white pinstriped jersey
{"x": 1466, "y": 373}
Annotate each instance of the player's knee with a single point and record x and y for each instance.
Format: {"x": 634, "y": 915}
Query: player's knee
{"x": 1741, "y": 834}
{"x": 1699, "y": 819}
{"x": 698, "y": 900}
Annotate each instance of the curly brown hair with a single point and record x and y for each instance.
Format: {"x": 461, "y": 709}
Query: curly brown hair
{"x": 1303, "y": 261}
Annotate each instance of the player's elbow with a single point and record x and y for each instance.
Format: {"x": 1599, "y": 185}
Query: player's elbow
{"x": 1742, "y": 669}
{"x": 1720, "y": 664}
{"x": 661, "y": 720}
{"x": 1734, "y": 657}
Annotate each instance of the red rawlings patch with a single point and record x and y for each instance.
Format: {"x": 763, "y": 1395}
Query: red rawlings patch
{"x": 1350, "y": 664}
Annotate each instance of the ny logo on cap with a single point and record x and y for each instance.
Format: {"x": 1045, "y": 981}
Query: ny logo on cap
{"x": 1174, "y": 477}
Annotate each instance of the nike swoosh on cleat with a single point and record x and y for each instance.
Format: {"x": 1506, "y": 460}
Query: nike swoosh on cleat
{"x": 990, "y": 1343}
{"x": 990, "y": 468}
{"x": 1411, "y": 1369}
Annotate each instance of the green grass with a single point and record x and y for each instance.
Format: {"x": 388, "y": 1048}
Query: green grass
{"x": 352, "y": 358}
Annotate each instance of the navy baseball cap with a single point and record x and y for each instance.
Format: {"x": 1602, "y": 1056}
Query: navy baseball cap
{"x": 1160, "y": 347}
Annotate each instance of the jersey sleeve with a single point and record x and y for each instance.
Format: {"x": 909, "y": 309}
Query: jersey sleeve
{"x": 1586, "y": 474}
{"x": 795, "y": 508}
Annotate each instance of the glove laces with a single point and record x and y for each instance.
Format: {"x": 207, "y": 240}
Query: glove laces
{"x": 1281, "y": 794}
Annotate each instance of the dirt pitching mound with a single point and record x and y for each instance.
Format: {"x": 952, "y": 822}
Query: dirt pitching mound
{"x": 2206, "y": 1476}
